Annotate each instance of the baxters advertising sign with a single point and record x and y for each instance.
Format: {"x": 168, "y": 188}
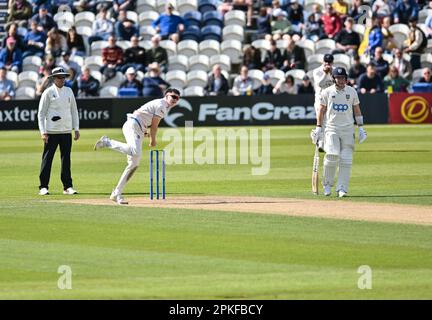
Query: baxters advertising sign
{"x": 414, "y": 108}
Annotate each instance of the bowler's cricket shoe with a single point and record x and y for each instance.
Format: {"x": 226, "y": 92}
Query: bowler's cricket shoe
{"x": 69, "y": 191}
{"x": 43, "y": 192}
{"x": 118, "y": 198}
{"x": 327, "y": 190}
{"x": 342, "y": 194}
{"x": 103, "y": 142}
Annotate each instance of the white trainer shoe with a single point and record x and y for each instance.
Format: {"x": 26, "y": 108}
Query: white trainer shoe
{"x": 118, "y": 198}
{"x": 43, "y": 192}
{"x": 103, "y": 142}
{"x": 327, "y": 190}
{"x": 70, "y": 191}
{"x": 342, "y": 193}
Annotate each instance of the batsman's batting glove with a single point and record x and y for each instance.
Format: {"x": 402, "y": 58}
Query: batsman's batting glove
{"x": 362, "y": 135}
{"x": 315, "y": 134}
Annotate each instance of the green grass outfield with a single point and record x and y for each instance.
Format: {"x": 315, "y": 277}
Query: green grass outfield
{"x": 129, "y": 252}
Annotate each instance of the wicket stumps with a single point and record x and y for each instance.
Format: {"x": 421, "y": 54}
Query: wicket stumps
{"x": 157, "y": 174}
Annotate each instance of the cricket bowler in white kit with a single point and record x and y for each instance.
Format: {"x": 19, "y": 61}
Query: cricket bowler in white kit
{"x": 338, "y": 102}
{"x": 322, "y": 79}
{"x": 134, "y": 129}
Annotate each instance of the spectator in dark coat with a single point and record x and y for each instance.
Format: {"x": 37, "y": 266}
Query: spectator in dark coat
{"x": 12, "y": 31}
{"x": 87, "y": 85}
{"x": 217, "y": 83}
{"x": 158, "y": 54}
{"x": 252, "y": 58}
{"x": 381, "y": 65}
{"x": 273, "y": 58}
{"x": 263, "y": 23}
{"x": 19, "y": 11}
{"x": 131, "y": 81}
{"x": 405, "y": 9}
{"x": 294, "y": 57}
{"x": 427, "y": 76}
{"x": 125, "y": 28}
{"x": 135, "y": 56}
{"x": 355, "y": 71}
{"x": 75, "y": 42}
{"x": 347, "y": 41}
{"x": 306, "y": 87}
{"x": 370, "y": 82}
{"x": 266, "y": 87}
{"x": 153, "y": 84}
{"x": 44, "y": 19}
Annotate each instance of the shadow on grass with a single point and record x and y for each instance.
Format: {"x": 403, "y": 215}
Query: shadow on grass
{"x": 373, "y": 151}
{"x": 395, "y": 196}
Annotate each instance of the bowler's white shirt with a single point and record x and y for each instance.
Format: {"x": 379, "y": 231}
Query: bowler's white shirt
{"x": 145, "y": 114}
{"x": 339, "y": 103}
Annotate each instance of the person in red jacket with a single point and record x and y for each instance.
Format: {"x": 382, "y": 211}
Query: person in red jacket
{"x": 112, "y": 57}
{"x": 331, "y": 21}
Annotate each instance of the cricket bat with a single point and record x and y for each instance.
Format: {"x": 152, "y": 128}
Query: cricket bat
{"x": 315, "y": 178}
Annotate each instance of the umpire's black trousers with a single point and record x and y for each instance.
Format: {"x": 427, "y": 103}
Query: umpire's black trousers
{"x": 65, "y": 142}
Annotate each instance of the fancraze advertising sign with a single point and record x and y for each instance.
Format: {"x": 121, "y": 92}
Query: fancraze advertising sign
{"x": 410, "y": 108}
{"x": 203, "y": 111}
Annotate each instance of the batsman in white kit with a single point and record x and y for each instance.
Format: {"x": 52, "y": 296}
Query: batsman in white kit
{"x": 134, "y": 129}
{"x": 338, "y": 102}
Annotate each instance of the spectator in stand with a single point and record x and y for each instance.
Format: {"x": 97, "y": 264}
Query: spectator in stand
{"x": 252, "y": 58}
{"x": 125, "y": 28}
{"x": 266, "y": 87}
{"x": 370, "y": 82}
{"x": 35, "y": 41}
{"x": 405, "y": 10}
{"x": 7, "y": 88}
{"x": 331, "y": 21}
{"x": 306, "y": 86}
{"x": 381, "y": 65}
{"x": 403, "y": 66}
{"x": 243, "y": 84}
{"x": 217, "y": 83}
{"x": 132, "y": 82}
{"x": 66, "y": 63}
{"x": 389, "y": 42}
{"x": 12, "y": 31}
{"x": 158, "y": 54}
{"x": 135, "y": 56}
{"x": 375, "y": 36}
{"x": 313, "y": 28}
{"x": 383, "y": 8}
{"x": 86, "y": 5}
{"x": 19, "y": 12}
{"x": 286, "y": 85}
{"x": 280, "y": 25}
{"x": 36, "y": 4}
{"x": 44, "y": 80}
{"x": 169, "y": 25}
{"x": 246, "y": 6}
{"x": 125, "y": 5}
{"x": 44, "y": 19}
{"x": 294, "y": 57}
{"x": 296, "y": 17}
{"x": 416, "y": 44}
{"x": 341, "y": 8}
{"x": 75, "y": 43}
{"x": 102, "y": 27}
{"x": 112, "y": 58}
{"x": 355, "y": 12}
{"x": 263, "y": 23}
{"x": 55, "y": 43}
{"x": 355, "y": 71}
{"x": 273, "y": 58}
{"x": 71, "y": 81}
{"x": 428, "y": 21}
{"x": 49, "y": 63}
{"x": 427, "y": 76}
{"x": 88, "y": 86}
{"x": 347, "y": 41}
{"x": 393, "y": 82}
{"x": 11, "y": 56}
{"x": 153, "y": 84}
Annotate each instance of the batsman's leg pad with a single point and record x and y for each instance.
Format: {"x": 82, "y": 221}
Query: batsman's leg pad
{"x": 345, "y": 165}
{"x": 330, "y": 166}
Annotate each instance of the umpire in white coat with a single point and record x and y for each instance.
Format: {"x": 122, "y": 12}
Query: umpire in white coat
{"x": 57, "y": 118}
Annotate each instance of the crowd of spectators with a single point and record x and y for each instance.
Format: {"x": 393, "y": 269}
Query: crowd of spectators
{"x": 274, "y": 20}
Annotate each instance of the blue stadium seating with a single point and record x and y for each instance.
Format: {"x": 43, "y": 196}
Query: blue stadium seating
{"x": 211, "y": 33}
{"x": 207, "y": 5}
{"x": 192, "y": 33}
{"x": 213, "y": 18}
{"x": 127, "y": 92}
{"x": 193, "y": 18}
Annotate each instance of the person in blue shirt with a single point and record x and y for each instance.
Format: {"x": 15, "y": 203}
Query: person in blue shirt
{"x": 7, "y": 88}
{"x": 405, "y": 9}
{"x": 11, "y": 56}
{"x": 131, "y": 82}
{"x": 44, "y": 19}
{"x": 153, "y": 84}
{"x": 35, "y": 41}
{"x": 376, "y": 36}
{"x": 169, "y": 25}
{"x": 125, "y": 28}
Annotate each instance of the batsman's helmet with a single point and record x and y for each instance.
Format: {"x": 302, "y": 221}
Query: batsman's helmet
{"x": 339, "y": 72}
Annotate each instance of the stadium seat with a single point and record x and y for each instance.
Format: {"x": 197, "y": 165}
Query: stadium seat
{"x": 32, "y": 63}
{"x": 422, "y": 87}
{"x": 235, "y": 17}
{"x": 124, "y": 44}
{"x": 127, "y": 92}
{"x": 170, "y": 46}
{"x": 94, "y": 62}
{"x": 84, "y": 19}
{"x": 12, "y": 76}
{"x": 233, "y": 49}
{"x": 426, "y": 60}
{"x": 257, "y": 77}
{"x": 233, "y": 32}
{"x": 146, "y": 18}
{"x": 23, "y": 93}
{"x": 388, "y": 57}
{"x": 307, "y": 45}
{"x": 97, "y": 47}
{"x": 160, "y": 5}
{"x": 193, "y": 18}
{"x": 325, "y": 46}
{"x": 400, "y": 32}
{"x": 184, "y": 6}
{"x": 146, "y": 5}
{"x": 147, "y": 32}
{"x": 207, "y": 5}
{"x": 28, "y": 79}
{"x": 78, "y": 59}
{"x": 97, "y": 75}
{"x": 108, "y": 92}
{"x": 423, "y": 14}
{"x": 194, "y": 91}
{"x": 314, "y": 61}
{"x": 64, "y": 20}
{"x": 176, "y": 78}
{"x": 213, "y": 18}
{"x": 187, "y": 47}
{"x": 297, "y": 74}
{"x": 223, "y": 60}
{"x": 209, "y": 47}
{"x": 197, "y": 78}
{"x": 178, "y": 62}
{"x": 342, "y": 60}
{"x": 192, "y": 33}
{"x": 132, "y": 15}
{"x": 360, "y": 29}
{"x": 146, "y": 44}
{"x": 281, "y": 44}
{"x": 263, "y": 45}
{"x": 429, "y": 46}
{"x": 275, "y": 76}
{"x": 310, "y": 75}
{"x": 116, "y": 81}
{"x": 85, "y": 31}
{"x": 417, "y": 75}
{"x": 211, "y": 32}
{"x": 199, "y": 62}
{"x": 308, "y": 4}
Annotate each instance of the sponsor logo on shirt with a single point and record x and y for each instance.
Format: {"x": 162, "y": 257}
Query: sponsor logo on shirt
{"x": 339, "y": 107}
